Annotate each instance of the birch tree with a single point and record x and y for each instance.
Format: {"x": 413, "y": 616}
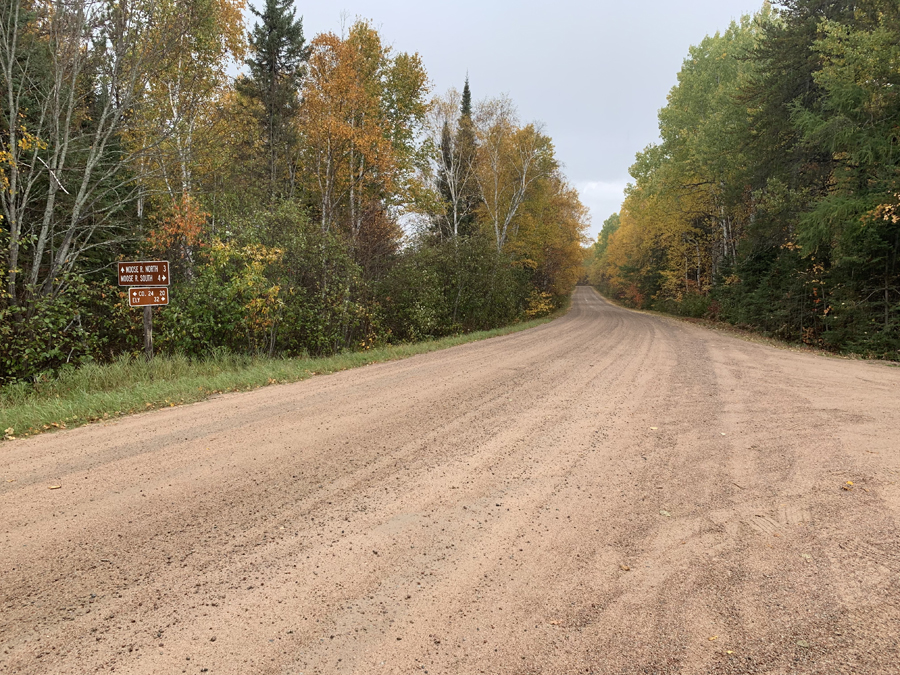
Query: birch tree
{"x": 74, "y": 73}
{"x": 203, "y": 37}
{"x": 510, "y": 160}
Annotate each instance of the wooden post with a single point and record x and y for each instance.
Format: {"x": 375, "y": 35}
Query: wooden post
{"x": 148, "y": 332}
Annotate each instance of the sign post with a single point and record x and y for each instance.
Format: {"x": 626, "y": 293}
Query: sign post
{"x": 148, "y": 332}
{"x": 148, "y": 283}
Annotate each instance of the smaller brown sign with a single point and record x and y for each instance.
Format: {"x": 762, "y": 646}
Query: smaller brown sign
{"x": 144, "y": 297}
{"x": 145, "y": 273}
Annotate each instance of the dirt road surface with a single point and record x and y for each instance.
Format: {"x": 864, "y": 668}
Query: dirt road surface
{"x": 612, "y": 492}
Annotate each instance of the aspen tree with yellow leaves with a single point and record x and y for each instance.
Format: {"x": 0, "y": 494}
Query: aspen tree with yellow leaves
{"x": 362, "y": 108}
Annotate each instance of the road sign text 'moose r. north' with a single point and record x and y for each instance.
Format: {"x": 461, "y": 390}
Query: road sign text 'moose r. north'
{"x": 153, "y": 273}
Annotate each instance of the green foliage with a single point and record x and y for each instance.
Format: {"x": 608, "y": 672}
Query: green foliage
{"x": 772, "y": 201}
{"x": 89, "y": 321}
{"x": 302, "y": 296}
{"x": 453, "y": 287}
{"x": 276, "y": 63}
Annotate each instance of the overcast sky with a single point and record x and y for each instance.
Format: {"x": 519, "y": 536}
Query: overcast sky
{"x": 595, "y": 73}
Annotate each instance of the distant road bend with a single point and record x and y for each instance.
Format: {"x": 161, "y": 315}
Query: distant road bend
{"x": 612, "y": 492}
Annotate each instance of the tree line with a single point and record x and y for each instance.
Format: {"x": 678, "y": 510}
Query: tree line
{"x": 773, "y": 198}
{"x": 323, "y": 200}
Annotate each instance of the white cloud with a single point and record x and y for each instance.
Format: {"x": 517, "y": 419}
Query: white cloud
{"x": 603, "y": 198}
{"x": 605, "y": 190}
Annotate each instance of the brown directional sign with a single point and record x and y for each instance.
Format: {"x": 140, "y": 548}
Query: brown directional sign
{"x": 144, "y": 273}
{"x": 148, "y": 297}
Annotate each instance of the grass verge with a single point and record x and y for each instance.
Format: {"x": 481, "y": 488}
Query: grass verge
{"x": 127, "y": 386}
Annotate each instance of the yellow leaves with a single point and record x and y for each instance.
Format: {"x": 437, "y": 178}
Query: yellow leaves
{"x": 358, "y": 106}
{"x": 29, "y": 141}
{"x": 889, "y": 213}
{"x": 847, "y": 486}
{"x": 540, "y": 303}
{"x": 6, "y": 159}
{"x": 258, "y": 299}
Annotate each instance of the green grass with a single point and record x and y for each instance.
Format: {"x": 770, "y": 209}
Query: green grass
{"x": 129, "y": 385}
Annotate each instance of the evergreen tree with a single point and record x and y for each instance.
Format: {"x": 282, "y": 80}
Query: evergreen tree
{"x": 277, "y": 64}
{"x": 443, "y": 180}
{"x": 785, "y": 83}
{"x": 456, "y": 182}
{"x": 465, "y": 109}
{"x": 465, "y": 146}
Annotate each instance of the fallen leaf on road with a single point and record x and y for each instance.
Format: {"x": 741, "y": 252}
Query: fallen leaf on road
{"x": 848, "y": 486}
{"x": 665, "y": 513}
{"x": 625, "y": 568}
{"x": 54, "y": 487}
{"x": 714, "y": 637}
{"x": 802, "y": 643}
{"x": 653, "y": 428}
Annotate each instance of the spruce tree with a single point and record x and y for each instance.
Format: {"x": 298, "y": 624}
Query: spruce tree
{"x": 465, "y": 146}
{"x": 278, "y": 54}
{"x": 465, "y": 109}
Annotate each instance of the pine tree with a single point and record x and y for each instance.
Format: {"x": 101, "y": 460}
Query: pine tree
{"x": 465, "y": 146}
{"x": 465, "y": 109}
{"x": 277, "y": 65}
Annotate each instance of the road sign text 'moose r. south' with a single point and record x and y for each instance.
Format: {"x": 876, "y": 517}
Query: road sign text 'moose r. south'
{"x": 153, "y": 273}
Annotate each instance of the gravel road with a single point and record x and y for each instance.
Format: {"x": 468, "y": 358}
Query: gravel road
{"x": 612, "y": 492}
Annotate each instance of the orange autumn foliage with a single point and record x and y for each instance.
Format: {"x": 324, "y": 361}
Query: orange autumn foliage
{"x": 180, "y": 231}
